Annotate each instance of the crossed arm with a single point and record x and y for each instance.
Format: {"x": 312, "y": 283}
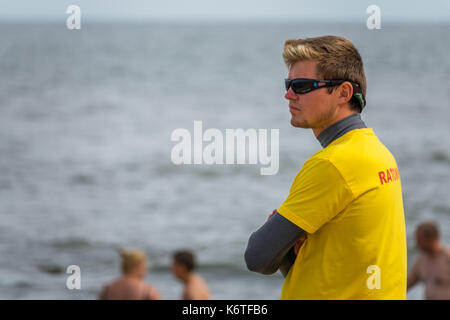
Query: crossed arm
{"x": 271, "y": 246}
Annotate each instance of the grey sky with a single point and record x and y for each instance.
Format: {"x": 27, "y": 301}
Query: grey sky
{"x": 266, "y": 10}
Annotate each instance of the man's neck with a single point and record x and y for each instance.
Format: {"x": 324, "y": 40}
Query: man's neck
{"x": 339, "y": 128}
{"x": 188, "y": 277}
{"x": 132, "y": 276}
{"x": 436, "y": 249}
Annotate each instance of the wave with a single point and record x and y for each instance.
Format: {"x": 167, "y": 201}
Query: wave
{"x": 23, "y": 284}
{"x": 440, "y": 156}
{"x": 220, "y": 267}
{"x": 70, "y": 243}
{"x": 82, "y": 179}
{"x": 51, "y": 268}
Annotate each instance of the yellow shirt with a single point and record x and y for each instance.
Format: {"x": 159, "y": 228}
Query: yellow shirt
{"x": 348, "y": 198}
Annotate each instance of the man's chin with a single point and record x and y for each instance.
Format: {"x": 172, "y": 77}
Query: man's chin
{"x": 297, "y": 124}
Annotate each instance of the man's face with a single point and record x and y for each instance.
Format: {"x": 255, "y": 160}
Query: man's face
{"x": 423, "y": 243}
{"x": 314, "y": 109}
{"x": 178, "y": 269}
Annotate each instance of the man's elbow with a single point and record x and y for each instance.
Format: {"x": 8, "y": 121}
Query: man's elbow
{"x": 251, "y": 262}
{"x": 256, "y": 263}
{"x": 258, "y": 267}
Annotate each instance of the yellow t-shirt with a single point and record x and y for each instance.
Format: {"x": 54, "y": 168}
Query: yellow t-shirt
{"x": 348, "y": 199}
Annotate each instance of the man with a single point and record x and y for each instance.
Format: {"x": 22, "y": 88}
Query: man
{"x": 340, "y": 234}
{"x": 433, "y": 265}
{"x": 183, "y": 266}
{"x": 132, "y": 285}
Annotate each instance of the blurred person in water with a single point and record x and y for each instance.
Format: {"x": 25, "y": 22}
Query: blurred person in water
{"x": 131, "y": 285}
{"x": 432, "y": 267}
{"x": 183, "y": 266}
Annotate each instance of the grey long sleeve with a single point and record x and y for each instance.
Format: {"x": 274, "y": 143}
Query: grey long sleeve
{"x": 270, "y": 247}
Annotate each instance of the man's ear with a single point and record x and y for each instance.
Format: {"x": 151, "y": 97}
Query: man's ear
{"x": 345, "y": 91}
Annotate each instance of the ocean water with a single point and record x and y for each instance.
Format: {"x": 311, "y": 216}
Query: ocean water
{"x": 85, "y": 123}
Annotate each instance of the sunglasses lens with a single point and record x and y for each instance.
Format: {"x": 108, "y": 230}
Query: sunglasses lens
{"x": 302, "y": 86}
{"x": 287, "y": 84}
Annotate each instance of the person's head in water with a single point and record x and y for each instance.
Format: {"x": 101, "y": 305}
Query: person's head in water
{"x": 183, "y": 264}
{"x": 427, "y": 237}
{"x": 134, "y": 263}
{"x": 323, "y": 58}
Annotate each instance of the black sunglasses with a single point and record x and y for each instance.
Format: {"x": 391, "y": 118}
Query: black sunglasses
{"x": 303, "y": 85}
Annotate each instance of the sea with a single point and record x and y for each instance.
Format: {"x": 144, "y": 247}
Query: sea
{"x": 86, "y": 119}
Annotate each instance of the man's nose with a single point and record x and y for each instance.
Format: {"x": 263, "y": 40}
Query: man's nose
{"x": 290, "y": 95}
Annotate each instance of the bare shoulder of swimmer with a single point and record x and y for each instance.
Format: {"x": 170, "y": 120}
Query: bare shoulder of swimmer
{"x": 196, "y": 289}
{"x": 153, "y": 293}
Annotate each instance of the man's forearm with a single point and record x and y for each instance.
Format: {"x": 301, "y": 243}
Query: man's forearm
{"x": 270, "y": 247}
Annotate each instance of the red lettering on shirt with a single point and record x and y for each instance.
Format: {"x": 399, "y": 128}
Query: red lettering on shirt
{"x": 381, "y": 175}
{"x": 389, "y": 175}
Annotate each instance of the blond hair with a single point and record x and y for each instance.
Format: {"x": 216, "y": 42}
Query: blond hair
{"x": 131, "y": 259}
{"x": 335, "y": 57}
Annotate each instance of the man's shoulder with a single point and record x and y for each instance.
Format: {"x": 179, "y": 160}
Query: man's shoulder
{"x": 320, "y": 168}
{"x": 318, "y": 161}
{"x": 357, "y": 148}
{"x": 446, "y": 252}
{"x": 198, "y": 280}
{"x": 196, "y": 288}
{"x": 358, "y": 158}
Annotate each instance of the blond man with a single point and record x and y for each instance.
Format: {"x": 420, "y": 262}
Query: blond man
{"x": 131, "y": 285}
{"x": 340, "y": 233}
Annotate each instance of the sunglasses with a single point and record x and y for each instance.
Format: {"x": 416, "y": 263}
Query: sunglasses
{"x": 303, "y": 85}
